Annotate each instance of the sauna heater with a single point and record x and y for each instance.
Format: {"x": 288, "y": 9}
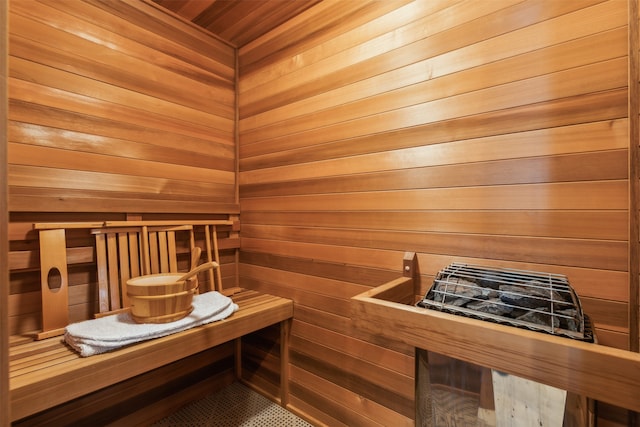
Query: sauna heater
{"x": 455, "y": 393}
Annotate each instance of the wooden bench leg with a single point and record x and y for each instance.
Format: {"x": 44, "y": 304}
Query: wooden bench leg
{"x": 238, "y": 366}
{"x": 285, "y": 329}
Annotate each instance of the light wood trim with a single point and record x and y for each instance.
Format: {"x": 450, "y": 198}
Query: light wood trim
{"x": 166, "y": 223}
{"x": 52, "y": 382}
{"x": 66, "y": 225}
{"x": 603, "y": 373}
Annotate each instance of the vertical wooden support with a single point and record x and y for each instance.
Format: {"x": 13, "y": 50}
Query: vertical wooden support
{"x": 285, "y": 329}
{"x": 163, "y": 250}
{"x": 114, "y": 277}
{"x": 124, "y": 266}
{"x": 103, "y": 276}
{"x": 410, "y": 269}
{"x": 216, "y": 254}
{"x": 53, "y": 282}
{"x": 144, "y": 251}
{"x": 209, "y": 249}
{"x": 235, "y": 233}
{"x": 409, "y": 264}
{"x": 238, "y": 360}
{"x": 134, "y": 258}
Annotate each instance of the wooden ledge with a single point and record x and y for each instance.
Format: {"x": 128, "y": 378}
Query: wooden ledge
{"x": 603, "y": 373}
{"x": 46, "y": 373}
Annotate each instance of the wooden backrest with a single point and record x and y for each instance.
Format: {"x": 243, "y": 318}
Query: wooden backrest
{"x": 126, "y": 252}
{"x": 126, "y": 249}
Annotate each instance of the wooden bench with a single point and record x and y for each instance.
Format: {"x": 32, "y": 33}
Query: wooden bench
{"x": 45, "y": 373}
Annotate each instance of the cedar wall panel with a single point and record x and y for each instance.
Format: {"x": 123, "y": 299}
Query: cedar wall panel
{"x": 115, "y": 108}
{"x": 119, "y": 107}
{"x": 488, "y": 132}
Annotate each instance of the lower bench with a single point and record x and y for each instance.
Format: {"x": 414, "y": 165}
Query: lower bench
{"x": 46, "y": 373}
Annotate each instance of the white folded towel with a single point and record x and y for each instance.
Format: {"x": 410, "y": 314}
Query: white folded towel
{"x": 108, "y": 333}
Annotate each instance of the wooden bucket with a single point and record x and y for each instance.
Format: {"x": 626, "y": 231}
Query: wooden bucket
{"x": 160, "y": 298}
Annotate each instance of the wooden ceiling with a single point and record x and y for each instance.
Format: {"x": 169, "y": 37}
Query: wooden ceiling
{"x": 237, "y": 21}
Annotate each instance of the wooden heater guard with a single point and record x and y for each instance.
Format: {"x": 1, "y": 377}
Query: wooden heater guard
{"x": 602, "y": 373}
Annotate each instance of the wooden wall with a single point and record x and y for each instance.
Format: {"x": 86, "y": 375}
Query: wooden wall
{"x": 116, "y": 106}
{"x": 116, "y": 110}
{"x": 492, "y": 132}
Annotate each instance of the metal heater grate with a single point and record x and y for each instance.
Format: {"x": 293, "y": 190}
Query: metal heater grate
{"x": 537, "y": 301}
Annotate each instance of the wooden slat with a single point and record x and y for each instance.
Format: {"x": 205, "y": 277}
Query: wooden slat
{"x": 605, "y": 225}
{"x": 134, "y": 254}
{"x": 347, "y": 65}
{"x": 216, "y": 253}
{"x": 103, "y": 276}
{"x": 572, "y": 53}
{"x": 82, "y": 106}
{"x": 41, "y": 390}
{"x": 163, "y": 251}
{"x": 556, "y": 196}
{"x": 209, "y": 252}
{"x": 113, "y": 271}
{"x": 536, "y": 250}
{"x": 466, "y": 102}
{"x": 172, "y": 256}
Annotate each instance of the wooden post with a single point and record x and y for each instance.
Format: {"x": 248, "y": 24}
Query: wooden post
{"x": 285, "y": 329}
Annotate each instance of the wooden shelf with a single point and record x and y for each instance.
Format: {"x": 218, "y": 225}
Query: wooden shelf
{"x": 602, "y": 373}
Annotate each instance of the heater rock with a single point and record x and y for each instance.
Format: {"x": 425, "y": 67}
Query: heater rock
{"x": 532, "y": 296}
{"x": 491, "y": 306}
{"x": 539, "y": 301}
{"x": 541, "y": 318}
{"x": 457, "y": 291}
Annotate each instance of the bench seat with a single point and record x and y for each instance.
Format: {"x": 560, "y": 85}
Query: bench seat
{"x": 46, "y": 373}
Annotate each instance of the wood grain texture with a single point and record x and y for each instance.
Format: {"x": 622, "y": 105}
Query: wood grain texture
{"x": 587, "y": 369}
{"x": 494, "y": 133}
{"x": 634, "y": 177}
{"x": 237, "y": 22}
{"x": 5, "y": 413}
{"x": 105, "y": 96}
